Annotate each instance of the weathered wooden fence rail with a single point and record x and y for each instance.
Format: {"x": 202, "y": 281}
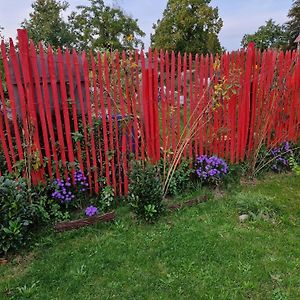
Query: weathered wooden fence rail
{"x": 96, "y": 112}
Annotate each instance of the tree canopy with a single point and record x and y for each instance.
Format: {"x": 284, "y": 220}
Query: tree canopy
{"x": 1, "y": 35}
{"x": 293, "y": 25}
{"x": 190, "y": 26}
{"x": 270, "y": 35}
{"x": 94, "y": 26}
{"x": 99, "y": 26}
{"x": 46, "y": 23}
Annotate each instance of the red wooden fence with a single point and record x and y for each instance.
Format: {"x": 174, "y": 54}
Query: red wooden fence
{"x": 67, "y": 111}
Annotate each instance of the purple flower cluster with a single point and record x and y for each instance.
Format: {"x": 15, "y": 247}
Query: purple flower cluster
{"x": 210, "y": 169}
{"x": 81, "y": 181}
{"x": 280, "y": 157}
{"x": 62, "y": 191}
{"x": 91, "y": 211}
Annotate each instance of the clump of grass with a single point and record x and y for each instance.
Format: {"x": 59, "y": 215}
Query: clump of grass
{"x": 257, "y": 206}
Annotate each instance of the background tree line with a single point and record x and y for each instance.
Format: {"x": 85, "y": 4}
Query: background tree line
{"x": 186, "y": 26}
{"x": 273, "y": 35}
{"x": 190, "y": 26}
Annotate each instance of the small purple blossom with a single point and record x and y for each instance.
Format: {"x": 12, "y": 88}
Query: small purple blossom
{"x": 62, "y": 190}
{"x": 210, "y": 169}
{"x": 91, "y": 211}
{"x": 81, "y": 181}
{"x": 279, "y": 157}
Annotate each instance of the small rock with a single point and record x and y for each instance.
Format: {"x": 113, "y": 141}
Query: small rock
{"x": 243, "y": 218}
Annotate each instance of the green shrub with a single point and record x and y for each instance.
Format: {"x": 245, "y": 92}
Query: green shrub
{"x": 20, "y": 210}
{"x": 145, "y": 191}
{"x": 106, "y": 199}
{"x": 16, "y": 214}
{"x": 235, "y": 172}
{"x": 294, "y": 165}
{"x": 181, "y": 179}
{"x": 48, "y": 210}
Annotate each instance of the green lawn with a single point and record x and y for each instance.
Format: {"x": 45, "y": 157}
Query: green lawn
{"x": 202, "y": 252}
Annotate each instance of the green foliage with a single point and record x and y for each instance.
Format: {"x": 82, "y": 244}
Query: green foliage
{"x": 270, "y": 35}
{"x": 97, "y": 26}
{"x": 1, "y": 35}
{"x": 293, "y": 25}
{"x": 257, "y": 206}
{"x": 3, "y": 165}
{"x": 185, "y": 256}
{"x": 20, "y": 209}
{"x": 190, "y": 26}
{"x": 49, "y": 210}
{"x": 294, "y": 165}
{"x": 107, "y": 198}
{"x": 181, "y": 179}
{"x": 46, "y": 23}
{"x": 145, "y": 191}
{"x": 232, "y": 178}
{"x": 16, "y": 214}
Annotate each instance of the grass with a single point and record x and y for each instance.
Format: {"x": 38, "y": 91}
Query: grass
{"x": 202, "y": 252}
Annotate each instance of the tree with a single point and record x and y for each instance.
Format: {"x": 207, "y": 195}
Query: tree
{"x": 46, "y": 23}
{"x": 99, "y": 26}
{"x": 1, "y": 35}
{"x": 270, "y": 35}
{"x": 293, "y": 25}
{"x": 190, "y": 26}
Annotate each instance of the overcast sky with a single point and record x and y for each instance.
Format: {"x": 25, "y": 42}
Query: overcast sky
{"x": 239, "y": 16}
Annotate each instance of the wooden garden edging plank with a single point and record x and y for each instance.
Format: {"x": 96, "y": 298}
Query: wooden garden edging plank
{"x": 69, "y": 225}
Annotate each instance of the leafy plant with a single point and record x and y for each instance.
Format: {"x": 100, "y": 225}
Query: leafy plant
{"x": 106, "y": 198}
{"x": 145, "y": 191}
{"x": 47, "y": 209}
{"x": 27, "y": 291}
{"x": 181, "y": 179}
{"x": 18, "y": 212}
{"x": 21, "y": 209}
{"x": 15, "y": 213}
{"x": 294, "y": 165}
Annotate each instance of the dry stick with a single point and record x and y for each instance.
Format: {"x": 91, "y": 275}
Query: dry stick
{"x": 184, "y": 140}
{"x": 179, "y": 153}
{"x": 178, "y": 157}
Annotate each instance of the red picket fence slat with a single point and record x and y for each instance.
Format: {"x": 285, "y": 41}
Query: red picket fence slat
{"x": 96, "y": 113}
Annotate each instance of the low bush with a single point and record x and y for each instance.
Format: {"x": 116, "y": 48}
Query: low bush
{"x": 21, "y": 209}
{"x": 16, "y": 214}
{"x": 181, "y": 179}
{"x": 145, "y": 191}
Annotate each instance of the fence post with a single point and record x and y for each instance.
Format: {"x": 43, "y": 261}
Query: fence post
{"x": 34, "y": 149}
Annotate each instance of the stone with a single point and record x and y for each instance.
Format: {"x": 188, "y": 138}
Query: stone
{"x": 243, "y": 218}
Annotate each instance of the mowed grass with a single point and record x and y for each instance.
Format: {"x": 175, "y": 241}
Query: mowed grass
{"x": 202, "y": 252}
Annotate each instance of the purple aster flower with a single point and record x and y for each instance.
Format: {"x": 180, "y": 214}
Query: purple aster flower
{"x": 210, "y": 169}
{"x": 91, "y": 211}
